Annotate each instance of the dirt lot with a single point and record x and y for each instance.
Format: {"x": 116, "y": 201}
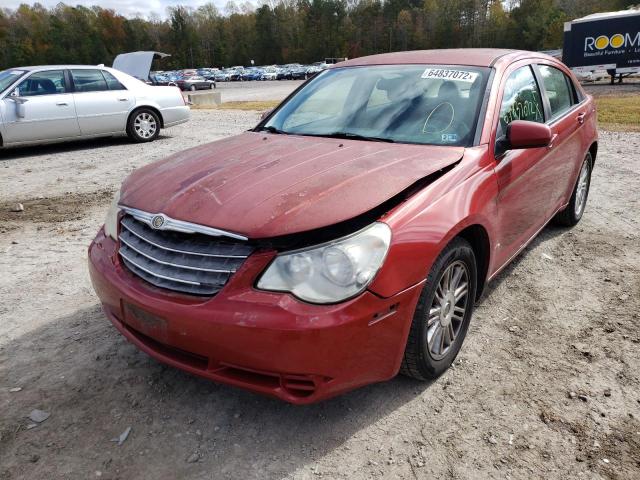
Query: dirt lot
{"x": 547, "y": 384}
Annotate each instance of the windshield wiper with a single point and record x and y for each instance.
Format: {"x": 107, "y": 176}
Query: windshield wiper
{"x": 353, "y": 136}
{"x": 269, "y": 129}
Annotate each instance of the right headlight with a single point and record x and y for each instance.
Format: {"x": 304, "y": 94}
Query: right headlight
{"x": 111, "y": 222}
{"x": 333, "y": 271}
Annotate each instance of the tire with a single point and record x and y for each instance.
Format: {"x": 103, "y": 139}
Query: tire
{"x": 573, "y": 212}
{"x": 140, "y": 126}
{"x": 421, "y": 359}
{"x": 193, "y": 88}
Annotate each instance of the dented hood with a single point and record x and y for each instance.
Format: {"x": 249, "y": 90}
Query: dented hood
{"x": 264, "y": 185}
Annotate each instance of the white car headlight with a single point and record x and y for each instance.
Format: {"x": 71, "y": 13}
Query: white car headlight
{"x": 333, "y": 271}
{"x": 111, "y": 222}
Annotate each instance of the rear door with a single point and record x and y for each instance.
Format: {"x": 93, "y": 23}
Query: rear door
{"x": 566, "y": 117}
{"x": 526, "y": 179}
{"x": 48, "y": 110}
{"x": 102, "y": 102}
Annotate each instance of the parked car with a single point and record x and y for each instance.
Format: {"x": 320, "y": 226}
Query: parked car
{"x": 68, "y": 102}
{"x": 195, "y": 82}
{"x": 235, "y": 73}
{"x": 222, "y": 76}
{"x": 269, "y": 73}
{"x": 341, "y": 242}
{"x": 250, "y": 74}
{"x": 160, "y": 79}
{"x": 298, "y": 72}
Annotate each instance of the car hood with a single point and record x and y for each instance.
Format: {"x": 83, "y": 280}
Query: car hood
{"x": 266, "y": 185}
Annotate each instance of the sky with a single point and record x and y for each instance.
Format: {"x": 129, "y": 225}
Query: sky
{"x": 128, "y": 8}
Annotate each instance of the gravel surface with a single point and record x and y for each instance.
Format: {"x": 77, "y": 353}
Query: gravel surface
{"x": 546, "y": 386}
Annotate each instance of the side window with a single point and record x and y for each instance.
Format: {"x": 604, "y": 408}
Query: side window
{"x": 520, "y": 99}
{"x": 558, "y": 89}
{"x": 112, "y": 82}
{"x": 43, "y": 83}
{"x": 89, "y": 81}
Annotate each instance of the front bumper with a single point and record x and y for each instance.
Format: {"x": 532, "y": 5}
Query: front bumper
{"x": 266, "y": 342}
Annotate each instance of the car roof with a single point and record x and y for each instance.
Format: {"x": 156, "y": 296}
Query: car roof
{"x": 476, "y": 57}
{"x": 34, "y": 68}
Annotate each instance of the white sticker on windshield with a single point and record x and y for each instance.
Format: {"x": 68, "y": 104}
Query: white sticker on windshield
{"x": 446, "y": 74}
{"x": 16, "y": 72}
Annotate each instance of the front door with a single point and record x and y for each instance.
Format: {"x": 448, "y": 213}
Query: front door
{"x": 40, "y": 109}
{"x": 527, "y": 187}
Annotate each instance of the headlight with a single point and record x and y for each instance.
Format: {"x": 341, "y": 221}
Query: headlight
{"x": 111, "y": 222}
{"x": 330, "y": 272}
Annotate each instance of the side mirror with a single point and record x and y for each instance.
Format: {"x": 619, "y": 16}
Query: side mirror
{"x": 524, "y": 134}
{"x": 20, "y": 103}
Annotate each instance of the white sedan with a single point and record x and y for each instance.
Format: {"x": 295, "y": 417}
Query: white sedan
{"x": 67, "y": 102}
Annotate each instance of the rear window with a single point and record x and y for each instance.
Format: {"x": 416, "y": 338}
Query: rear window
{"x": 558, "y": 89}
{"x": 89, "y": 81}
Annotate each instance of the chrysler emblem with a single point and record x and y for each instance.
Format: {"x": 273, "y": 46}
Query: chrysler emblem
{"x": 158, "y": 221}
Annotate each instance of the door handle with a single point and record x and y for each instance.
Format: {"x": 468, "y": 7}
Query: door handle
{"x": 581, "y": 118}
{"x": 123, "y": 99}
{"x": 62, "y": 104}
{"x": 552, "y": 141}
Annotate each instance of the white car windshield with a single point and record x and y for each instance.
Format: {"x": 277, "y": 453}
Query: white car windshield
{"x": 8, "y": 77}
{"x": 424, "y": 104}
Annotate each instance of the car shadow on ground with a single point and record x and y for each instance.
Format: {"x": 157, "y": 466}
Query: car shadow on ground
{"x": 547, "y": 233}
{"x": 95, "y": 385}
{"x": 14, "y": 153}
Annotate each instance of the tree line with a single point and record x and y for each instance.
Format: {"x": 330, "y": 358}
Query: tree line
{"x": 284, "y": 31}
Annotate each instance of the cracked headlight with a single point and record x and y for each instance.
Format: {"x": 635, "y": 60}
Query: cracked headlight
{"x": 333, "y": 271}
{"x": 111, "y": 222}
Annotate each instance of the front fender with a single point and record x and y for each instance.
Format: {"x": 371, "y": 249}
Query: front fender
{"x": 428, "y": 221}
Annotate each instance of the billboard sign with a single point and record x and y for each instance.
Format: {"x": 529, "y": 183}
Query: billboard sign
{"x": 611, "y": 42}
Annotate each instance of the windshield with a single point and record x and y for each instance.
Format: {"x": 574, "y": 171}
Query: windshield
{"x": 424, "y": 104}
{"x": 7, "y": 77}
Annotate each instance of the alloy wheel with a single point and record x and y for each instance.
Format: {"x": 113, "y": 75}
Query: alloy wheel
{"x": 581, "y": 189}
{"x": 448, "y": 309}
{"x": 145, "y": 125}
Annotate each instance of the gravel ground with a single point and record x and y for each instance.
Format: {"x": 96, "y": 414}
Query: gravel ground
{"x": 546, "y": 386}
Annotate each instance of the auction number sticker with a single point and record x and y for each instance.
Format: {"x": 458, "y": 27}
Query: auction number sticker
{"x": 446, "y": 74}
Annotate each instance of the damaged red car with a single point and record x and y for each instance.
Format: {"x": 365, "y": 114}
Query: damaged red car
{"x": 347, "y": 237}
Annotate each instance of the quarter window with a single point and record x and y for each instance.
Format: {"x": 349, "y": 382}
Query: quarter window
{"x": 520, "y": 100}
{"x": 89, "y": 81}
{"x": 43, "y": 83}
{"x": 112, "y": 82}
{"x": 556, "y": 85}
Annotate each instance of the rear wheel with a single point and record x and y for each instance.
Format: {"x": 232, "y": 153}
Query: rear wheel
{"x": 572, "y": 213}
{"x": 143, "y": 125}
{"x": 193, "y": 88}
{"x": 443, "y": 313}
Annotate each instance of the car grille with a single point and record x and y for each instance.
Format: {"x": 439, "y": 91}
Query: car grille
{"x": 184, "y": 262}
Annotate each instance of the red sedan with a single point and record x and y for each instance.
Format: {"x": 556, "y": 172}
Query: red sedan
{"x": 347, "y": 237}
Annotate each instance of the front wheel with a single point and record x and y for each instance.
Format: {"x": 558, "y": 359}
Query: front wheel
{"x": 572, "y": 213}
{"x": 443, "y": 313}
{"x": 143, "y": 125}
